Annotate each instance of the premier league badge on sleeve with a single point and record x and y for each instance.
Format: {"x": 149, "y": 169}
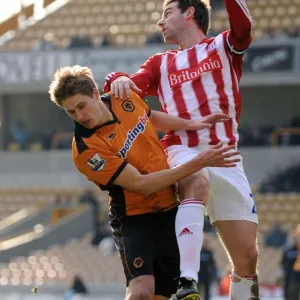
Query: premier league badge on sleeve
{"x": 97, "y": 163}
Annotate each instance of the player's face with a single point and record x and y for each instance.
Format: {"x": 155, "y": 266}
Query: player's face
{"x": 171, "y": 23}
{"x": 84, "y": 110}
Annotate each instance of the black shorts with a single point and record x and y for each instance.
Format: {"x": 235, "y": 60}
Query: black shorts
{"x": 148, "y": 246}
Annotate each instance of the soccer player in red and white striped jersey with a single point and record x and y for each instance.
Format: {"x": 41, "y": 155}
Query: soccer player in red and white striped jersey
{"x": 200, "y": 78}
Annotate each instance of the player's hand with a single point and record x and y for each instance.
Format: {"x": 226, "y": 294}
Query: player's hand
{"x": 121, "y": 87}
{"x": 219, "y": 156}
{"x": 208, "y": 121}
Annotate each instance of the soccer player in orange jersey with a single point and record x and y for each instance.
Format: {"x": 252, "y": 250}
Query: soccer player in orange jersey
{"x": 116, "y": 147}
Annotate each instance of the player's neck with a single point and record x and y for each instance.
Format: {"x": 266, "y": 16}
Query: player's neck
{"x": 106, "y": 114}
{"x": 190, "y": 38}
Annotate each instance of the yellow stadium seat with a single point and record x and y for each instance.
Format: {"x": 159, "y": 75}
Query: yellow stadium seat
{"x": 13, "y": 147}
{"x": 35, "y": 147}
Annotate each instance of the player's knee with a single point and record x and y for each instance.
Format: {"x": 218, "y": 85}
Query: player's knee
{"x": 141, "y": 290}
{"x": 246, "y": 263}
{"x": 197, "y": 183}
{"x": 140, "y": 294}
{"x": 253, "y": 259}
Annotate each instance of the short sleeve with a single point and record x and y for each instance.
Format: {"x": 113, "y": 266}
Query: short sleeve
{"x": 137, "y": 99}
{"x": 100, "y": 166}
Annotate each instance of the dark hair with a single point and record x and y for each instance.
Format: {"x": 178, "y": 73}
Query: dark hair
{"x": 69, "y": 81}
{"x": 202, "y": 11}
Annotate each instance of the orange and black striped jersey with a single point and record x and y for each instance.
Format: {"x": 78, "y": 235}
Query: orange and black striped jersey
{"x": 103, "y": 152}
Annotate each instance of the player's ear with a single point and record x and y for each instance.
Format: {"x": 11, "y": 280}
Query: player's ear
{"x": 190, "y": 13}
{"x": 96, "y": 93}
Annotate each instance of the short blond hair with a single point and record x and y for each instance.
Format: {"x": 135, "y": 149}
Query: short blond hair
{"x": 69, "y": 81}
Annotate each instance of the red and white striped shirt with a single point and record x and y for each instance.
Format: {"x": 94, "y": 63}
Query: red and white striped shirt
{"x": 204, "y": 79}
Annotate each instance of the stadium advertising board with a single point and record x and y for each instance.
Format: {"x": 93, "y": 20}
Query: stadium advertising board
{"x": 33, "y": 67}
{"x": 269, "y": 59}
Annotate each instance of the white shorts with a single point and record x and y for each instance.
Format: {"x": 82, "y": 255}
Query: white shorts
{"x": 230, "y": 193}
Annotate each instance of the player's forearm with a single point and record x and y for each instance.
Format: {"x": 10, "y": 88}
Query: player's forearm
{"x": 154, "y": 182}
{"x": 143, "y": 82}
{"x": 140, "y": 79}
{"x": 163, "y": 121}
{"x": 239, "y": 18}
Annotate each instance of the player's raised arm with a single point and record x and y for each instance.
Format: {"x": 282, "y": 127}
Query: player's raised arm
{"x": 240, "y": 20}
{"x": 145, "y": 81}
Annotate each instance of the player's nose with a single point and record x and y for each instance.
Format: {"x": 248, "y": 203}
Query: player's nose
{"x": 160, "y": 23}
{"x": 79, "y": 116}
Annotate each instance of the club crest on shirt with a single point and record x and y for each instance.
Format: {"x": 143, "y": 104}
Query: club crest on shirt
{"x": 128, "y": 106}
{"x": 96, "y": 162}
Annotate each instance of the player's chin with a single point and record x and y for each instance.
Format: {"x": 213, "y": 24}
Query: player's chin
{"x": 169, "y": 40}
{"x": 89, "y": 124}
{"x": 89, "y": 127}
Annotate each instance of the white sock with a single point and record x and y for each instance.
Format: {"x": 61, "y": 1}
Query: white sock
{"x": 246, "y": 289}
{"x": 189, "y": 232}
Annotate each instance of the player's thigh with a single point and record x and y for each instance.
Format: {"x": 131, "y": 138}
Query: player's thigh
{"x": 232, "y": 210}
{"x": 230, "y": 196}
{"x": 167, "y": 263}
{"x": 135, "y": 245}
{"x": 240, "y": 240}
{"x": 195, "y": 185}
